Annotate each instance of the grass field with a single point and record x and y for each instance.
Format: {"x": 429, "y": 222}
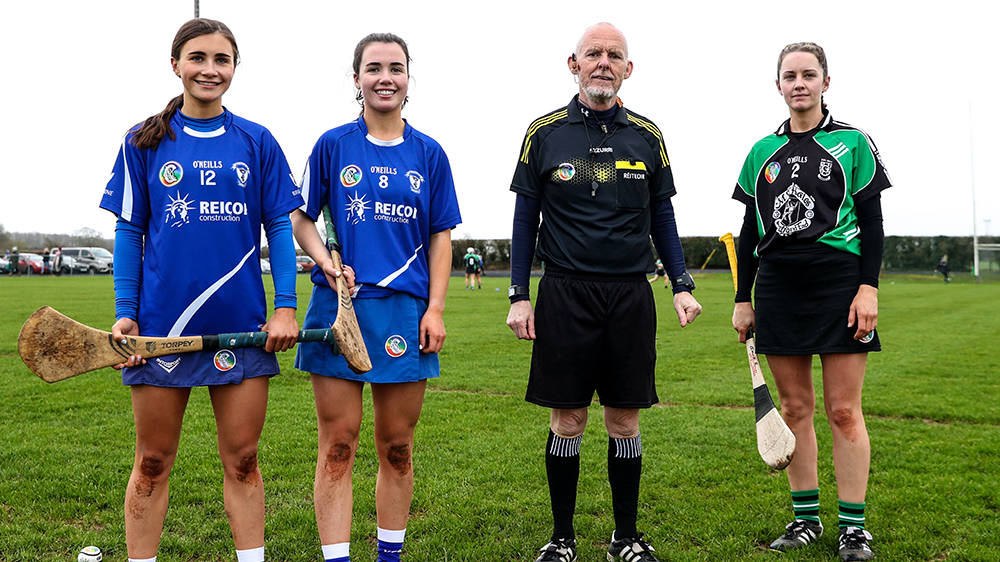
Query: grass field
{"x": 931, "y": 401}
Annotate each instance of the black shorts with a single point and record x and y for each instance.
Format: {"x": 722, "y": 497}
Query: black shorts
{"x": 470, "y": 269}
{"x": 802, "y": 300}
{"x": 593, "y": 334}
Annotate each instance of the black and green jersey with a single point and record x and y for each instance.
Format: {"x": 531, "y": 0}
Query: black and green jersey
{"x": 805, "y": 188}
{"x": 595, "y": 189}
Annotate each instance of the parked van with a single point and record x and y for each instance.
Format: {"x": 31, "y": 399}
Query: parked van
{"x": 96, "y": 259}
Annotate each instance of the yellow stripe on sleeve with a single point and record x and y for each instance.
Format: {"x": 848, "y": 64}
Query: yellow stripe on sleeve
{"x": 538, "y": 124}
{"x": 656, "y": 133}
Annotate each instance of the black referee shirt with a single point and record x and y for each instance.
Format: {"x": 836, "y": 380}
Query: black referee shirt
{"x": 595, "y": 192}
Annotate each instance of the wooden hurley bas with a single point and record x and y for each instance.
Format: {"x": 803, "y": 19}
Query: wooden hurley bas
{"x": 56, "y": 347}
{"x": 775, "y": 441}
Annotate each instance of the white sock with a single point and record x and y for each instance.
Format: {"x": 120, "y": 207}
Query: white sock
{"x": 391, "y": 536}
{"x": 153, "y": 559}
{"x": 250, "y": 555}
{"x": 338, "y": 550}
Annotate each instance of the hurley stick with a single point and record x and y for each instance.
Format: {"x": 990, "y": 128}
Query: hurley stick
{"x": 345, "y": 327}
{"x": 56, "y": 347}
{"x": 775, "y": 441}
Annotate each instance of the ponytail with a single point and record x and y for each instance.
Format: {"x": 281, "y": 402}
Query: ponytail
{"x": 156, "y": 127}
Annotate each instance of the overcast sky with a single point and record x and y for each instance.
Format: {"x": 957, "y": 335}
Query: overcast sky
{"x": 79, "y": 74}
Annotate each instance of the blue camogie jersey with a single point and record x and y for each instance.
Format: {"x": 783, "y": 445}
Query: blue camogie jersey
{"x": 387, "y": 198}
{"x": 201, "y": 200}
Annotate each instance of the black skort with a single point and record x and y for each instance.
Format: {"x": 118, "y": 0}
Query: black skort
{"x": 802, "y": 299}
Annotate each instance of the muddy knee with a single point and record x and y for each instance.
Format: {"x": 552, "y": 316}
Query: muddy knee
{"x": 846, "y": 420}
{"x": 149, "y": 471}
{"x": 398, "y": 456}
{"x": 338, "y": 460}
{"x": 246, "y": 468}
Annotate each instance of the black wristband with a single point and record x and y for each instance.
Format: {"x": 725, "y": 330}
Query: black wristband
{"x": 516, "y": 291}
{"x": 684, "y": 281}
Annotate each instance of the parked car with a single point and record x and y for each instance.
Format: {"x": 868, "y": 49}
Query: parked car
{"x": 304, "y": 264}
{"x": 97, "y": 259}
{"x": 30, "y": 264}
{"x": 3, "y": 264}
{"x": 265, "y": 266}
{"x": 69, "y": 266}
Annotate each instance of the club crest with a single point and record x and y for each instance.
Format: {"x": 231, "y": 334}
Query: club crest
{"x": 242, "y": 173}
{"x": 793, "y": 211}
{"x": 415, "y": 181}
{"x": 868, "y": 337}
{"x": 825, "y": 169}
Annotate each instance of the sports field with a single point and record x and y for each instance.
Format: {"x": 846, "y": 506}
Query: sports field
{"x": 932, "y": 401}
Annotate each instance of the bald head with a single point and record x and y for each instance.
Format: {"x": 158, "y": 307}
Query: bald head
{"x": 600, "y": 65}
{"x": 601, "y": 29}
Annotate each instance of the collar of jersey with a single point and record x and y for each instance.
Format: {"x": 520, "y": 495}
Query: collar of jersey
{"x": 576, "y": 116}
{"x": 379, "y": 142}
{"x": 203, "y": 128}
{"x": 785, "y": 127}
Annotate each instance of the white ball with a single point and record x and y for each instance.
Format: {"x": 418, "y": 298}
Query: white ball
{"x": 90, "y": 554}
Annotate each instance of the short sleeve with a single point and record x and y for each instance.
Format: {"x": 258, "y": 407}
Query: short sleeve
{"x": 527, "y": 176}
{"x": 315, "y": 181}
{"x": 279, "y": 193}
{"x": 746, "y": 185}
{"x": 127, "y": 193}
{"x": 444, "y": 202}
{"x": 870, "y": 176}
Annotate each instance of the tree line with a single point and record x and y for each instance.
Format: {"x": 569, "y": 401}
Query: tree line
{"x": 36, "y": 241}
{"x": 902, "y": 253}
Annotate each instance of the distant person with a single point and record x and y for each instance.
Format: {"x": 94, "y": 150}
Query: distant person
{"x": 471, "y": 261}
{"x": 943, "y": 267}
{"x": 45, "y": 261}
{"x": 661, "y": 272}
{"x": 813, "y": 189}
{"x": 479, "y": 269}
{"x": 193, "y": 150}
{"x": 593, "y": 183}
{"x": 402, "y": 260}
{"x": 57, "y": 261}
{"x": 15, "y": 262}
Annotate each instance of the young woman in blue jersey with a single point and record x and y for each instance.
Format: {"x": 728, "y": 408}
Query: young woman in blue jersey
{"x": 392, "y": 197}
{"x": 196, "y": 181}
{"x": 812, "y": 244}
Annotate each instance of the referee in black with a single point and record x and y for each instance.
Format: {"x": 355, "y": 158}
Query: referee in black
{"x": 598, "y": 176}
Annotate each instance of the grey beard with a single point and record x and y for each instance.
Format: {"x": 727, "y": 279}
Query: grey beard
{"x": 600, "y": 95}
